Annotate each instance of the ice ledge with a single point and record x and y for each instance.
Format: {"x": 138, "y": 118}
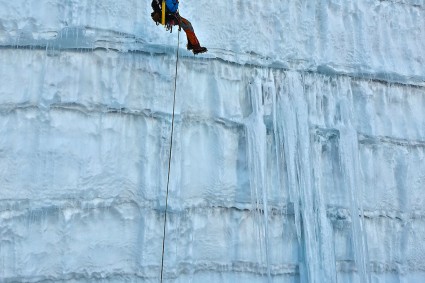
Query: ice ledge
{"x": 17, "y": 208}
{"x": 324, "y": 134}
{"x": 374, "y": 140}
{"x": 89, "y": 39}
{"x": 188, "y": 268}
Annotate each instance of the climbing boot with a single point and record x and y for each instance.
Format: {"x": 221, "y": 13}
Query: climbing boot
{"x": 196, "y": 49}
{"x": 193, "y": 43}
{"x": 199, "y": 49}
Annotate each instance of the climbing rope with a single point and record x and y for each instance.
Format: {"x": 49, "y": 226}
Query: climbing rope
{"x": 169, "y": 157}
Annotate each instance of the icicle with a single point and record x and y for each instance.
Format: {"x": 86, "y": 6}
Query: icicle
{"x": 302, "y": 172}
{"x": 294, "y": 139}
{"x": 256, "y": 136}
{"x": 349, "y": 160}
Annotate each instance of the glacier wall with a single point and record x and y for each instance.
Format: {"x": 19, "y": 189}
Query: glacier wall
{"x": 299, "y": 142}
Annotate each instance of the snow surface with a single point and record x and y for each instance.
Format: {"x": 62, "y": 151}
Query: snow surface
{"x": 298, "y": 156}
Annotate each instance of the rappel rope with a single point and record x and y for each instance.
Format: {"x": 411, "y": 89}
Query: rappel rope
{"x": 169, "y": 156}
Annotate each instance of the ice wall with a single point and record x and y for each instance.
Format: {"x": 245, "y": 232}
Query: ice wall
{"x": 298, "y": 154}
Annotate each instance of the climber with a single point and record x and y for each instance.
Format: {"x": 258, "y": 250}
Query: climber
{"x": 173, "y": 18}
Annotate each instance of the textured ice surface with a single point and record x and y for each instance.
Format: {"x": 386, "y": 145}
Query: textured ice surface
{"x": 299, "y": 150}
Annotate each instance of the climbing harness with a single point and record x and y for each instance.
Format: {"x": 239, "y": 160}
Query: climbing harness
{"x": 170, "y": 154}
{"x": 168, "y": 20}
